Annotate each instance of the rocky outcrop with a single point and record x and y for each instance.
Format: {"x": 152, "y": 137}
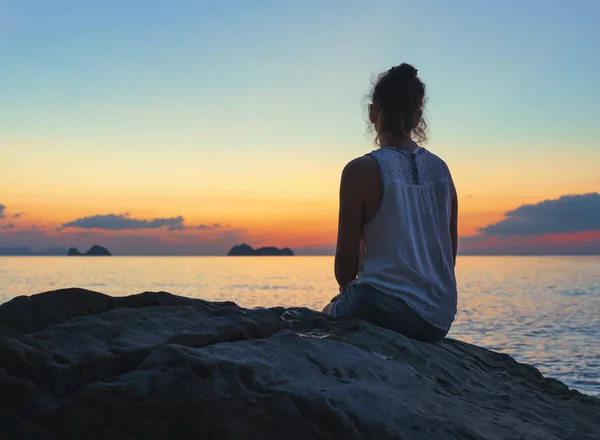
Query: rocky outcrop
{"x": 73, "y": 252}
{"x": 246, "y": 250}
{"x": 76, "y": 364}
{"x": 94, "y": 251}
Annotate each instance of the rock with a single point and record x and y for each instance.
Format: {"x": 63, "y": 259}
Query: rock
{"x": 241, "y": 249}
{"x": 94, "y": 251}
{"x": 78, "y": 365}
{"x": 73, "y": 252}
{"x": 97, "y": 251}
{"x": 270, "y": 250}
{"x": 246, "y": 250}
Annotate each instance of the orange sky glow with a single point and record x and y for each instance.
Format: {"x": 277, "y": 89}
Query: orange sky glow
{"x": 179, "y": 136}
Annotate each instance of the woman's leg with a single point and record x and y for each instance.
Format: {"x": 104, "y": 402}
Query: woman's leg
{"x": 345, "y": 304}
{"x": 328, "y": 307}
{"x": 365, "y": 302}
{"x": 393, "y": 313}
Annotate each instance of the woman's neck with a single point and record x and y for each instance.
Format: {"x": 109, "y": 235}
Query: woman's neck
{"x": 389, "y": 140}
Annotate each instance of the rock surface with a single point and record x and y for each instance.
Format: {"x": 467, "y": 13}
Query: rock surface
{"x": 77, "y": 364}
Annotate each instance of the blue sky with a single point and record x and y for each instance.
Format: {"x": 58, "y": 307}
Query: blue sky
{"x": 495, "y": 69}
{"x": 255, "y": 100}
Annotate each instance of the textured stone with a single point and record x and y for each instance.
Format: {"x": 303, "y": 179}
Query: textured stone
{"x": 76, "y": 364}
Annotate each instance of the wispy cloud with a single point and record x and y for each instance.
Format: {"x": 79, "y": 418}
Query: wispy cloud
{"x": 18, "y": 215}
{"x": 121, "y": 222}
{"x": 8, "y": 226}
{"x": 2, "y": 208}
{"x": 209, "y": 227}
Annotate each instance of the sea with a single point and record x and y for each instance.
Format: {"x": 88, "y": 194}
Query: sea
{"x": 544, "y": 311}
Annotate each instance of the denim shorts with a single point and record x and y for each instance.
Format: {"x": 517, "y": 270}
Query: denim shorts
{"x": 363, "y": 301}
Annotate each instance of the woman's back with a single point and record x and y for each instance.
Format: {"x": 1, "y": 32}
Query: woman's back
{"x": 407, "y": 248}
{"x": 397, "y": 230}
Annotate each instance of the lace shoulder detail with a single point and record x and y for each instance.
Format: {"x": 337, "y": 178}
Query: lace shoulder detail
{"x": 420, "y": 168}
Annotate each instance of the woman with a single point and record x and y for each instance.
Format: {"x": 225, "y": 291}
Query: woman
{"x": 397, "y": 232}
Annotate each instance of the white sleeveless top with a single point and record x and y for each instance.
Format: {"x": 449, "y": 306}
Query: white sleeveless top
{"x": 407, "y": 247}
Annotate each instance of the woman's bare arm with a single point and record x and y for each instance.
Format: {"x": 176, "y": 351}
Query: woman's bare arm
{"x": 357, "y": 179}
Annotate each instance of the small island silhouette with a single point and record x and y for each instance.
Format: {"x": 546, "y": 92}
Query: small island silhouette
{"x": 246, "y": 250}
{"x": 94, "y": 251}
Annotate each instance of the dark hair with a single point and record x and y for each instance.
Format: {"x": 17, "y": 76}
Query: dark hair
{"x": 398, "y": 95}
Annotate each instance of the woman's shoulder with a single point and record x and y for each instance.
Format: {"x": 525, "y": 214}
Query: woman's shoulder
{"x": 362, "y": 163}
{"x": 361, "y": 168}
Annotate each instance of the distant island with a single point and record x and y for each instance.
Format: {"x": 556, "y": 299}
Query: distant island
{"x": 245, "y": 250}
{"x": 94, "y": 251}
{"x": 25, "y": 251}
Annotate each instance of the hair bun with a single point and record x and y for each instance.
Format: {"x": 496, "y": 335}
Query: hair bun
{"x": 404, "y": 71}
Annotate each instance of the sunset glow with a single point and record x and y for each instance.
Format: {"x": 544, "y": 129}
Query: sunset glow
{"x": 243, "y": 117}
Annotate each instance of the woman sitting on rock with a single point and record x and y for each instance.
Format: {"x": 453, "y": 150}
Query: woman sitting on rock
{"x": 397, "y": 232}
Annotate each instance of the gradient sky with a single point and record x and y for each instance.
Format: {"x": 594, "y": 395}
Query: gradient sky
{"x": 238, "y": 116}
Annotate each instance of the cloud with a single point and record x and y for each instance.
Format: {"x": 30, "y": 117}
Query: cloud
{"x": 568, "y": 225}
{"x": 3, "y": 212}
{"x": 209, "y": 227}
{"x": 567, "y": 214}
{"x": 120, "y": 222}
{"x": 8, "y": 226}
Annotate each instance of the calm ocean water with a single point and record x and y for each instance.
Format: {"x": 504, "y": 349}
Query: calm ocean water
{"x": 542, "y": 310}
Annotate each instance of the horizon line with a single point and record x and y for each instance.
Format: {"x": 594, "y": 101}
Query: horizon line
{"x": 522, "y": 254}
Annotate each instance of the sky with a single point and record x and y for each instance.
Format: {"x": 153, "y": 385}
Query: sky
{"x": 185, "y": 127}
